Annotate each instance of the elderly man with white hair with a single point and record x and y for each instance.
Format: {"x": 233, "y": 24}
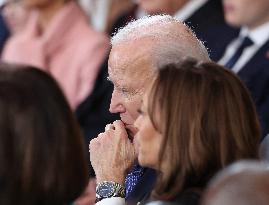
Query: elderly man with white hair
{"x": 137, "y": 50}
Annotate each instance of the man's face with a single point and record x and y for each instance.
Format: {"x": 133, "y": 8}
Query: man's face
{"x": 128, "y": 68}
{"x": 246, "y": 12}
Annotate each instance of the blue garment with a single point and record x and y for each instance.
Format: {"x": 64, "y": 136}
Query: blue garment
{"x": 141, "y": 191}
{"x": 132, "y": 178}
{"x": 255, "y": 75}
{"x": 209, "y": 25}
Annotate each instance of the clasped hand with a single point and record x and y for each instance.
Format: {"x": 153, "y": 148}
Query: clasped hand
{"x": 112, "y": 154}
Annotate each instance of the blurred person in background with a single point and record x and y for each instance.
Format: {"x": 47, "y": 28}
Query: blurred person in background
{"x": 15, "y": 15}
{"x": 248, "y": 54}
{"x": 58, "y": 39}
{"x": 41, "y": 149}
{"x": 4, "y": 30}
{"x": 103, "y": 13}
{"x": 195, "y": 119}
{"x": 204, "y": 17}
{"x": 243, "y": 183}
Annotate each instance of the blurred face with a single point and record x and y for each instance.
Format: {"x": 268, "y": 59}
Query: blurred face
{"x": 128, "y": 67}
{"x": 246, "y": 12}
{"x": 147, "y": 140}
{"x": 161, "y": 6}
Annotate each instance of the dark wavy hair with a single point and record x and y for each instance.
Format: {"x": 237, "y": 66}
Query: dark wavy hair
{"x": 208, "y": 121}
{"x": 42, "y": 153}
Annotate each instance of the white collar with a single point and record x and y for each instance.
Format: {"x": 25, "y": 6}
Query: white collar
{"x": 188, "y": 9}
{"x": 259, "y": 35}
{"x": 2, "y": 2}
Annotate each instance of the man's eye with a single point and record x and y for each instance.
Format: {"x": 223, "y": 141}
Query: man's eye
{"x": 124, "y": 91}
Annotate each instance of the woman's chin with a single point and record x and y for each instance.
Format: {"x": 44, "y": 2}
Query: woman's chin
{"x": 143, "y": 162}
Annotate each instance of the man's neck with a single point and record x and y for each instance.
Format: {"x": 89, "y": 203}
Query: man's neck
{"x": 257, "y": 23}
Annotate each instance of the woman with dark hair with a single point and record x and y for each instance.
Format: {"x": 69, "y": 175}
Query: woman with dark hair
{"x": 41, "y": 150}
{"x": 203, "y": 118}
{"x": 196, "y": 119}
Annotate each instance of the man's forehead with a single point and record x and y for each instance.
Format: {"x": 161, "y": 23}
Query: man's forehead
{"x": 125, "y": 80}
{"x": 130, "y": 60}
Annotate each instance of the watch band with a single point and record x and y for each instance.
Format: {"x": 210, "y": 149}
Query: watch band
{"x": 108, "y": 189}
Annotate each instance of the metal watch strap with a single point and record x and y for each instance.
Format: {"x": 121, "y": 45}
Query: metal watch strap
{"x": 119, "y": 190}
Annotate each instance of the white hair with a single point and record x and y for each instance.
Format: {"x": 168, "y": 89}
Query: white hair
{"x": 244, "y": 182}
{"x": 143, "y": 28}
{"x": 241, "y": 167}
{"x": 173, "y": 41}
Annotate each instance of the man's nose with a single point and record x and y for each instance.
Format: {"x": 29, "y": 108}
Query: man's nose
{"x": 116, "y": 105}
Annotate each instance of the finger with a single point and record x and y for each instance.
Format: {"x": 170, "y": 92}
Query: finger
{"x": 120, "y": 128}
{"x": 118, "y": 124}
{"x": 109, "y": 126}
{"x": 94, "y": 143}
{"x": 100, "y": 135}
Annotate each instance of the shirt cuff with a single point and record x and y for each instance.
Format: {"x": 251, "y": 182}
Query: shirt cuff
{"x": 112, "y": 201}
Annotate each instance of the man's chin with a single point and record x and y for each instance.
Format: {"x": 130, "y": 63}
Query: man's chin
{"x": 131, "y": 128}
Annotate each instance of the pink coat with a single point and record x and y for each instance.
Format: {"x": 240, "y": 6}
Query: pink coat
{"x": 68, "y": 49}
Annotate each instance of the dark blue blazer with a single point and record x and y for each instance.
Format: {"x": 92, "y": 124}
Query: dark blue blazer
{"x": 255, "y": 75}
{"x": 143, "y": 188}
{"x": 210, "y": 27}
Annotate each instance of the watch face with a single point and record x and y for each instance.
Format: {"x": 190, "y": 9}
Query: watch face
{"x": 106, "y": 190}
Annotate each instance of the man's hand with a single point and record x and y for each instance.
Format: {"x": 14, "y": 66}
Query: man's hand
{"x": 112, "y": 154}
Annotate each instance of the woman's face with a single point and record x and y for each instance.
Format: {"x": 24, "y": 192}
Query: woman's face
{"x": 148, "y": 139}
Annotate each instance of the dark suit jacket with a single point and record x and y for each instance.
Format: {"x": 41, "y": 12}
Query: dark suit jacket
{"x": 209, "y": 26}
{"x": 255, "y": 75}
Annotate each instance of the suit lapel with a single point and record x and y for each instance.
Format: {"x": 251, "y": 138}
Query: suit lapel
{"x": 256, "y": 66}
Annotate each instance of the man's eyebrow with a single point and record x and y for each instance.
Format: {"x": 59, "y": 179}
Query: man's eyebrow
{"x": 109, "y": 80}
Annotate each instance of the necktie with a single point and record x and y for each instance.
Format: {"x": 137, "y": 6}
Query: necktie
{"x": 246, "y": 42}
{"x": 132, "y": 178}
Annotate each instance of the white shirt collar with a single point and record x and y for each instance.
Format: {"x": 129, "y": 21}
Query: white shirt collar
{"x": 188, "y": 9}
{"x": 259, "y": 35}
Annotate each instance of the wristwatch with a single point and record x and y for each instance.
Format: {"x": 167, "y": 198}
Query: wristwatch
{"x": 107, "y": 189}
